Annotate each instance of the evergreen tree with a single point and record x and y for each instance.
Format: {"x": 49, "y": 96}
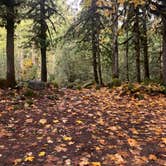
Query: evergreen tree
{"x": 42, "y": 12}
{"x": 9, "y": 18}
{"x": 158, "y": 8}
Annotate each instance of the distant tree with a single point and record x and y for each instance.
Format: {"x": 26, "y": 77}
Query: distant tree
{"x": 42, "y": 12}
{"x": 137, "y": 43}
{"x": 9, "y": 17}
{"x": 88, "y": 26}
{"x": 145, "y": 42}
{"x": 115, "y": 59}
{"x": 158, "y": 7}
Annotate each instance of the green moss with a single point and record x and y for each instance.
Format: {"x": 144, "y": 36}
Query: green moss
{"x": 115, "y": 83}
{"x": 55, "y": 84}
{"x": 70, "y": 85}
{"x": 139, "y": 96}
{"x": 130, "y": 86}
{"x": 98, "y": 87}
{"x": 79, "y": 87}
{"x": 29, "y": 93}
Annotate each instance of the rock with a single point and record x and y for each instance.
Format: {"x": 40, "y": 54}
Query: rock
{"x": 36, "y": 85}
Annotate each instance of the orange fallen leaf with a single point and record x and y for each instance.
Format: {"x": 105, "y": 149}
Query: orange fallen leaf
{"x": 152, "y": 157}
{"x": 158, "y": 130}
{"x": 117, "y": 158}
{"x": 95, "y": 164}
{"x": 132, "y": 142}
{"x": 101, "y": 121}
{"x": 134, "y": 131}
{"x": 164, "y": 140}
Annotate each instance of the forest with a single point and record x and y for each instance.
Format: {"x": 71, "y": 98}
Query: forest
{"x": 82, "y": 82}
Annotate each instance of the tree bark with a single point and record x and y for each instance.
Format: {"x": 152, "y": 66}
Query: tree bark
{"x": 145, "y": 47}
{"x": 164, "y": 49}
{"x": 161, "y": 58}
{"x": 94, "y": 52}
{"x": 137, "y": 44}
{"x": 43, "y": 42}
{"x": 33, "y": 54}
{"x": 10, "y": 46}
{"x": 127, "y": 54}
{"x": 94, "y": 43}
{"x": 115, "y": 59}
{"x": 99, "y": 65}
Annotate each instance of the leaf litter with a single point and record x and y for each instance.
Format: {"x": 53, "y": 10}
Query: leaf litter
{"x": 82, "y": 127}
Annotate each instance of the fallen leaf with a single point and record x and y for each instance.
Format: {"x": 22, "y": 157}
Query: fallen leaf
{"x": 117, "y": 158}
{"x": 60, "y": 149}
{"x": 55, "y": 121}
{"x": 95, "y": 164}
{"x": 79, "y": 122}
{"x": 49, "y": 140}
{"x": 113, "y": 128}
{"x": 29, "y": 158}
{"x": 101, "y": 121}
{"x": 152, "y": 157}
{"x": 41, "y": 154}
{"x": 132, "y": 142}
{"x": 164, "y": 140}
{"x": 65, "y": 138}
{"x": 68, "y": 162}
{"x": 29, "y": 120}
{"x": 16, "y": 161}
{"x": 84, "y": 161}
{"x": 43, "y": 121}
{"x": 134, "y": 131}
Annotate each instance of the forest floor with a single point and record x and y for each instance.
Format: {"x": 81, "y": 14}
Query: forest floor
{"x": 85, "y": 127}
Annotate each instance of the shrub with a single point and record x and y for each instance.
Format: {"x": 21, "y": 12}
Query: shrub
{"x": 55, "y": 84}
{"x": 29, "y": 93}
{"x": 115, "y": 83}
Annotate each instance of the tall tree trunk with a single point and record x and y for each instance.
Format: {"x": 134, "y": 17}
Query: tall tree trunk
{"x": 99, "y": 67}
{"x": 164, "y": 49}
{"x": 10, "y": 46}
{"x": 94, "y": 43}
{"x": 137, "y": 44}
{"x": 98, "y": 51}
{"x": 145, "y": 47}
{"x": 127, "y": 54}
{"x": 21, "y": 60}
{"x": 43, "y": 42}
{"x": 160, "y": 58}
{"x": 94, "y": 52}
{"x": 115, "y": 59}
{"x": 43, "y": 64}
{"x": 33, "y": 54}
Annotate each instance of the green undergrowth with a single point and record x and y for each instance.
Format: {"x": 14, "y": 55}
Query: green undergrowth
{"x": 139, "y": 90}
